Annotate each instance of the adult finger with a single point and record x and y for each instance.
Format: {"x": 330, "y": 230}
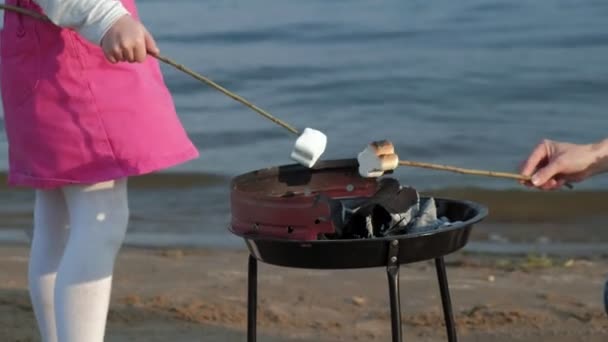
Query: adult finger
{"x": 551, "y": 184}
{"x": 535, "y": 158}
{"x": 546, "y": 173}
{"x": 560, "y": 183}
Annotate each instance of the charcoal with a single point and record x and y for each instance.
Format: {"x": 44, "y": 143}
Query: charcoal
{"x": 392, "y": 210}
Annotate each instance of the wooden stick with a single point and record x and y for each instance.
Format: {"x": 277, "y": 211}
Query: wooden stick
{"x": 473, "y": 172}
{"x": 227, "y": 92}
{"x": 464, "y": 171}
{"x": 25, "y": 12}
{"x": 183, "y": 69}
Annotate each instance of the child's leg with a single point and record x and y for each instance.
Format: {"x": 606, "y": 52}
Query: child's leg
{"x": 49, "y": 238}
{"x": 98, "y": 219}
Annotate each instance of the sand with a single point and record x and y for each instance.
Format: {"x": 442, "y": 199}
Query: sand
{"x": 200, "y": 295}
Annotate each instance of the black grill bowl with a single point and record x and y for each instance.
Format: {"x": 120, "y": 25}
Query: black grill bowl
{"x": 250, "y": 203}
{"x": 362, "y": 253}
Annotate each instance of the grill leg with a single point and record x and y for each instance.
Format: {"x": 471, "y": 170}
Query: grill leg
{"x": 393, "y": 286}
{"x": 445, "y": 300}
{"x": 252, "y": 297}
{"x": 392, "y": 271}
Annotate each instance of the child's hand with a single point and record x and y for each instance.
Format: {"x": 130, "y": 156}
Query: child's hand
{"x": 128, "y": 41}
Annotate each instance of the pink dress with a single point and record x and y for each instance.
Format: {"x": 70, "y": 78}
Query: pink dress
{"x": 72, "y": 117}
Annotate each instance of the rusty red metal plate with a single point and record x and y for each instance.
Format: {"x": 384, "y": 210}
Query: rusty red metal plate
{"x": 292, "y": 201}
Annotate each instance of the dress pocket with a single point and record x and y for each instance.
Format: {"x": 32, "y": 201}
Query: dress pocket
{"x": 20, "y": 59}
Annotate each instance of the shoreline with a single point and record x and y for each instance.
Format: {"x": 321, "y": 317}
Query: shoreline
{"x": 508, "y": 239}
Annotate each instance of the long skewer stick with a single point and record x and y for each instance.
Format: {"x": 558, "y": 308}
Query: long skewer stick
{"x": 464, "y": 171}
{"x": 473, "y": 172}
{"x": 181, "y": 68}
{"x": 228, "y": 93}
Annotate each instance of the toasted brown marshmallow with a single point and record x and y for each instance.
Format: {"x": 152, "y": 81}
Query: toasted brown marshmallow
{"x": 381, "y": 147}
{"x": 388, "y": 162}
{"x": 377, "y": 158}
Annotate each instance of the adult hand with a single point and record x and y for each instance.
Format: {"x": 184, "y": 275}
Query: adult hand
{"x": 552, "y": 163}
{"x": 128, "y": 41}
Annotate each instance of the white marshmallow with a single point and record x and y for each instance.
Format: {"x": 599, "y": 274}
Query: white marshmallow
{"x": 372, "y": 164}
{"x": 369, "y": 163}
{"x": 309, "y": 146}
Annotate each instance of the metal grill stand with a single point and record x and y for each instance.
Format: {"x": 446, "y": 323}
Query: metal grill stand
{"x": 280, "y": 212}
{"x": 392, "y": 271}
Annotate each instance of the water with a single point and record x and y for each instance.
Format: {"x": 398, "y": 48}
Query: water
{"x": 470, "y": 83}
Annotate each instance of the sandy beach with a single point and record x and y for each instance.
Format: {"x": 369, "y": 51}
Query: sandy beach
{"x": 200, "y": 295}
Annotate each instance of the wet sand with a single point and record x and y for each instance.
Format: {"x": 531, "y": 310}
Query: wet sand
{"x": 200, "y": 295}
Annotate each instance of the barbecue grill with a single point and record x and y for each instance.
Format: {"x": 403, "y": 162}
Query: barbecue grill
{"x": 286, "y": 215}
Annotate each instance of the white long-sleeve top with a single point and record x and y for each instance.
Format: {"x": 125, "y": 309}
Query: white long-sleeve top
{"x": 91, "y": 18}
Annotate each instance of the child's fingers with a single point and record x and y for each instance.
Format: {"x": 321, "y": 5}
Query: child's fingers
{"x": 151, "y": 46}
{"x": 110, "y": 57}
{"x": 128, "y": 54}
{"x": 114, "y": 55}
{"x": 117, "y": 53}
{"x": 139, "y": 53}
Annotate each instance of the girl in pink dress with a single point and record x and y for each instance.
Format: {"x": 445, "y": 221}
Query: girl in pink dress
{"x": 84, "y": 110}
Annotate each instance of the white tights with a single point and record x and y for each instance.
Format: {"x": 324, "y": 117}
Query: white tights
{"x": 78, "y": 231}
